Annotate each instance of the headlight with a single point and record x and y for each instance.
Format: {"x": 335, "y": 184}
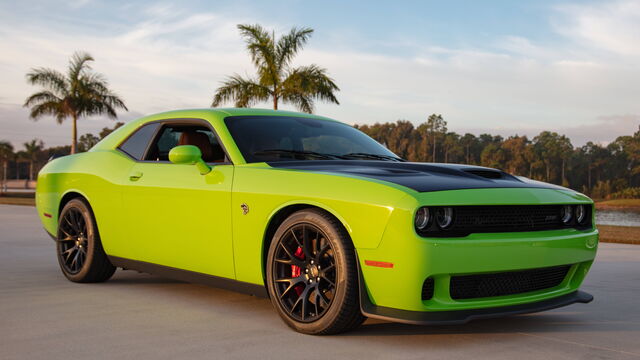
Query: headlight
{"x": 423, "y": 218}
{"x": 444, "y": 217}
{"x": 581, "y": 214}
{"x": 565, "y": 214}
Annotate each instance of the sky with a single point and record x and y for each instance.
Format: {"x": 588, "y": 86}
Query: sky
{"x": 500, "y": 67}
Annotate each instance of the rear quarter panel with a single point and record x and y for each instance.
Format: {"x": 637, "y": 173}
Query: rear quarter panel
{"x": 98, "y": 177}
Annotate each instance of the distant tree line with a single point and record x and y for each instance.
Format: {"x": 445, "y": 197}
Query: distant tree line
{"x": 599, "y": 171}
{"x": 26, "y": 162}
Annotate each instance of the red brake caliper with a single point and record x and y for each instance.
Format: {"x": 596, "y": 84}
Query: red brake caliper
{"x": 296, "y": 270}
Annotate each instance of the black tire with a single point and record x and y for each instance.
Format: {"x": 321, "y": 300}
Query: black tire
{"x": 298, "y": 285}
{"x": 80, "y": 254}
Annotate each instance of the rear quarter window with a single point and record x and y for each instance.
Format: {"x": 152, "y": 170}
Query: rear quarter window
{"x": 137, "y": 143}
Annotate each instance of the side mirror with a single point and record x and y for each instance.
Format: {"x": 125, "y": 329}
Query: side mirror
{"x": 189, "y": 155}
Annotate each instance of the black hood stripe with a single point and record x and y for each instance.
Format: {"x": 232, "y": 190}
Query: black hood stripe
{"x": 421, "y": 177}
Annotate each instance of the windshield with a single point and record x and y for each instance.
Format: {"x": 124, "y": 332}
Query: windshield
{"x": 284, "y": 138}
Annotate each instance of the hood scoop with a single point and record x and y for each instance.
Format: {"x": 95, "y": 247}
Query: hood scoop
{"x": 487, "y": 174}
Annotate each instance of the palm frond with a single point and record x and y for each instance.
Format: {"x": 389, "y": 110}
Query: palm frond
{"x": 52, "y": 108}
{"x": 289, "y": 45}
{"x": 244, "y": 92}
{"x": 41, "y": 97}
{"x": 259, "y": 43}
{"x": 261, "y": 47}
{"x": 50, "y": 79}
{"x": 305, "y": 84}
{"x": 78, "y": 65}
{"x": 301, "y": 101}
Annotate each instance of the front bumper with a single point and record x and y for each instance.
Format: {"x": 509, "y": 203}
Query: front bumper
{"x": 415, "y": 258}
{"x": 464, "y": 316}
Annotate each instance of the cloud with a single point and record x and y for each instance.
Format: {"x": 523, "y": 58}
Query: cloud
{"x": 611, "y": 27}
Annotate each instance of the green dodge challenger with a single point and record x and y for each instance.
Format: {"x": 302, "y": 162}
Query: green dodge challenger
{"x": 314, "y": 214}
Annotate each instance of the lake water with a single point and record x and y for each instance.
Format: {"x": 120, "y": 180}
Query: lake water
{"x": 617, "y": 217}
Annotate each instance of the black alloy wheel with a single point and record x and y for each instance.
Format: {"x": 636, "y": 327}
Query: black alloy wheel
{"x": 312, "y": 275}
{"x": 305, "y": 272}
{"x": 79, "y": 249}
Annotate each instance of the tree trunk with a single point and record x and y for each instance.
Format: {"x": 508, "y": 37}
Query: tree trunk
{"x": 547, "y": 166}
{"x": 74, "y": 134}
{"x": 275, "y": 102}
{"x": 30, "y": 170}
{"x": 4, "y": 175}
{"x": 589, "y": 177}
{"x": 434, "y": 148}
{"x": 468, "y": 159}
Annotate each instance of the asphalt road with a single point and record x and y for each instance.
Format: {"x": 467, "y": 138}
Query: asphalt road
{"x": 138, "y": 316}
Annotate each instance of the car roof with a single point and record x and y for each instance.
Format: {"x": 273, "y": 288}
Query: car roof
{"x": 220, "y": 113}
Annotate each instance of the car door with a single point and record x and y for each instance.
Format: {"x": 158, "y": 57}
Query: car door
{"x": 174, "y": 216}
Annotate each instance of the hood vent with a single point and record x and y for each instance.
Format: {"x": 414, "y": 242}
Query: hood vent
{"x": 487, "y": 174}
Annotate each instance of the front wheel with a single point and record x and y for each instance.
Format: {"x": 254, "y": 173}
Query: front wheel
{"x": 312, "y": 275}
{"x": 78, "y": 245}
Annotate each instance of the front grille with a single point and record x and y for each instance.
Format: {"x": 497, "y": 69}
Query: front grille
{"x": 503, "y": 218}
{"x": 506, "y": 283}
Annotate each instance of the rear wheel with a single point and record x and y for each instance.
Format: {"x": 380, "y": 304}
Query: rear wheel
{"x": 80, "y": 253}
{"x": 312, "y": 275}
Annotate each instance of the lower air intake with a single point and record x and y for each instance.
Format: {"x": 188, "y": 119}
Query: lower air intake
{"x": 506, "y": 283}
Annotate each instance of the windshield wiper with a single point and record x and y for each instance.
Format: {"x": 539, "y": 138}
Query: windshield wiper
{"x": 298, "y": 152}
{"x": 372, "y": 156}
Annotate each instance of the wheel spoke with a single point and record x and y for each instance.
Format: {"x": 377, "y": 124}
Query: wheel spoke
{"x": 323, "y": 297}
{"x": 73, "y": 228}
{"x": 294, "y": 259}
{"x": 307, "y": 243}
{"x": 327, "y": 269}
{"x": 323, "y": 251}
{"x": 305, "y": 302}
{"x": 295, "y": 238}
{"x": 323, "y": 277}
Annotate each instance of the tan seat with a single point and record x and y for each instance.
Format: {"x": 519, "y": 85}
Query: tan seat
{"x": 201, "y": 140}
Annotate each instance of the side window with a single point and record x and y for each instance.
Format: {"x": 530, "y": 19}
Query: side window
{"x": 137, "y": 143}
{"x": 171, "y": 136}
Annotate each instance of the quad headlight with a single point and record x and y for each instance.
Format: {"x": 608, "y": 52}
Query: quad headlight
{"x": 566, "y": 214}
{"x": 581, "y": 214}
{"x": 433, "y": 218}
{"x": 444, "y": 217}
{"x": 423, "y": 218}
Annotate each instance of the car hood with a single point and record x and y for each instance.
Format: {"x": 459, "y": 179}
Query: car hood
{"x": 421, "y": 177}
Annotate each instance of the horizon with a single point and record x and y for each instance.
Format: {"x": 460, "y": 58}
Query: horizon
{"x": 512, "y": 68}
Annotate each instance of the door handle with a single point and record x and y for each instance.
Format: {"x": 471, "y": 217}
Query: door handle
{"x": 135, "y": 176}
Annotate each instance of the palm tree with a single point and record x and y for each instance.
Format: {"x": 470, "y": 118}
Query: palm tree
{"x": 80, "y": 92}
{"x": 6, "y": 154}
{"x": 277, "y": 80}
{"x": 31, "y": 151}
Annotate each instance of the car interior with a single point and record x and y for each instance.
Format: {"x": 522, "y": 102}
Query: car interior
{"x": 175, "y": 135}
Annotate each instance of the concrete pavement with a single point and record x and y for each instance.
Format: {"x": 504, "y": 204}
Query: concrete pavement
{"x": 139, "y": 316}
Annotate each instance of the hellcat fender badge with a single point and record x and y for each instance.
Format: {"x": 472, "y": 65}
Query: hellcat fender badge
{"x": 245, "y": 208}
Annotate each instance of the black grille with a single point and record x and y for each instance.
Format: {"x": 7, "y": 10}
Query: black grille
{"x": 504, "y": 218}
{"x": 427, "y": 289}
{"x": 506, "y": 283}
